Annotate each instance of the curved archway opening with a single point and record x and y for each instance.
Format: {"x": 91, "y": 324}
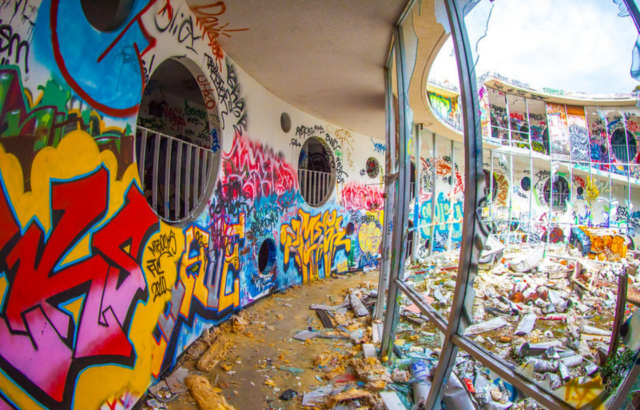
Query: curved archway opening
{"x": 177, "y": 145}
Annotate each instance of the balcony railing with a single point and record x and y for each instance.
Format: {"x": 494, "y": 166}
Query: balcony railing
{"x": 315, "y": 186}
{"x": 174, "y": 174}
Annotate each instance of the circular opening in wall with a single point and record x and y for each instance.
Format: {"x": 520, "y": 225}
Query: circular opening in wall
{"x": 106, "y": 15}
{"x": 525, "y": 183}
{"x": 285, "y": 122}
{"x": 557, "y": 194}
{"x": 373, "y": 167}
{"x": 177, "y": 147}
{"x": 350, "y": 228}
{"x": 316, "y": 172}
{"x": 267, "y": 256}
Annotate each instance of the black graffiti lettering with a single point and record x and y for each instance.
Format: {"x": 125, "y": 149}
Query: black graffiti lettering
{"x": 159, "y": 288}
{"x": 12, "y": 45}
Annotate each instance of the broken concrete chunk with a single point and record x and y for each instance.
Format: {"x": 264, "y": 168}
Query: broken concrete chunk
{"x": 537, "y": 349}
{"x": 526, "y": 325}
{"x": 353, "y": 394}
{"x": 305, "y": 335}
{"x": 357, "y": 305}
{"x": 175, "y": 381}
{"x": 542, "y": 366}
{"x": 369, "y": 350}
{"x": 572, "y": 361}
{"x": 317, "y": 396}
{"x": 528, "y": 262}
{"x": 204, "y": 395}
{"x": 217, "y": 351}
{"x": 391, "y": 401}
{"x": 487, "y": 326}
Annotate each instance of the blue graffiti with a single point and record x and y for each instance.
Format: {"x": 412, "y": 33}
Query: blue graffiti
{"x": 103, "y": 68}
{"x": 378, "y": 147}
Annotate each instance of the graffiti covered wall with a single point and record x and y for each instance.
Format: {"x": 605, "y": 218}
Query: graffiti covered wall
{"x": 98, "y": 295}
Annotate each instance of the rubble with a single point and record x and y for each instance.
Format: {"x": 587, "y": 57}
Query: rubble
{"x": 545, "y": 309}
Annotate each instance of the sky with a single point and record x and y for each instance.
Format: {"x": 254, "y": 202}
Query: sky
{"x": 572, "y": 45}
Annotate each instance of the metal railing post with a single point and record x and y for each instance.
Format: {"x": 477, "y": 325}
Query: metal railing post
{"x": 416, "y": 194}
{"x": 474, "y": 234}
{"x": 434, "y": 180}
{"x": 401, "y": 216}
{"x": 390, "y": 153}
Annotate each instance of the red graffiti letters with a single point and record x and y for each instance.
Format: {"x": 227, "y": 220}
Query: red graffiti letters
{"x": 42, "y": 338}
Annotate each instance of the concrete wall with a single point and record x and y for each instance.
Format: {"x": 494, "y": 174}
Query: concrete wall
{"x": 98, "y": 296}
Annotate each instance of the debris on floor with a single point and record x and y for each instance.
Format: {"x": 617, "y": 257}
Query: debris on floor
{"x": 546, "y": 309}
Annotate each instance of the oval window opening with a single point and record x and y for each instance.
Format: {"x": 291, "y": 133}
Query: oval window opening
{"x": 267, "y": 256}
{"x": 373, "y": 167}
{"x": 316, "y": 173}
{"x": 174, "y": 142}
{"x": 285, "y": 122}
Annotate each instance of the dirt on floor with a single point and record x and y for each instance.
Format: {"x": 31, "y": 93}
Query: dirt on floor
{"x": 250, "y": 376}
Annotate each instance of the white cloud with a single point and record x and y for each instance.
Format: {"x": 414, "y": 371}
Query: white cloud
{"x": 573, "y": 45}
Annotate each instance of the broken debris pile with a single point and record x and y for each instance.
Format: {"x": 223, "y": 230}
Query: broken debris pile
{"x": 546, "y": 309}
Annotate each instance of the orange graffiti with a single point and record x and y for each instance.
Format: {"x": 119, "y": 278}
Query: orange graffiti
{"x": 235, "y": 233}
{"x": 313, "y": 240}
{"x": 207, "y": 16}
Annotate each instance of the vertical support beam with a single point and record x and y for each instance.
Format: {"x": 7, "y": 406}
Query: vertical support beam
{"x": 623, "y": 282}
{"x": 551, "y": 181}
{"x": 591, "y": 210}
{"x": 416, "y": 193}
{"x": 610, "y": 193}
{"x": 509, "y": 235}
{"x": 491, "y": 193}
{"x": 474, "y": 234}
{"x": 449, "y": 218}
{"x": 401, "y": 217}
{"x": 390, "y": 155}
{"x": 434, "y": 180}
{"x": 530, "y": 191}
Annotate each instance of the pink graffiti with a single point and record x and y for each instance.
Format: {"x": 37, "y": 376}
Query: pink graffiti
{"x": 357, "y": 196}
{"x": 37, "y": 334}
{"x": 258, "y": 170}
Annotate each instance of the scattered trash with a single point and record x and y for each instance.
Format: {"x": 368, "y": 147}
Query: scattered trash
{"x": 357, "y": 306}
{"x": 293, "y": 370}
{"x": 288, "y": 394}
{"x": 305, "y": 335}
{"x": 487, "y": 326}
{"x": 391, "y": 401}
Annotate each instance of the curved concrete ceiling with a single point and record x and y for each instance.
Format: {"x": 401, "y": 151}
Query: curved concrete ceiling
{"x": 325, "y": 57}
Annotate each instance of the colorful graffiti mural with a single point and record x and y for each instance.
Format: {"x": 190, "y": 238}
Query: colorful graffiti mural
{"x": 91, "y": 229}
{"x": 98, "y": 298}
{"x": 311, "y": 243}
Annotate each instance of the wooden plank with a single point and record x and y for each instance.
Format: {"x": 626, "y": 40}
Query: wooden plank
{"x": 326, "y": 319}
{"x": 204, "y": 395}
